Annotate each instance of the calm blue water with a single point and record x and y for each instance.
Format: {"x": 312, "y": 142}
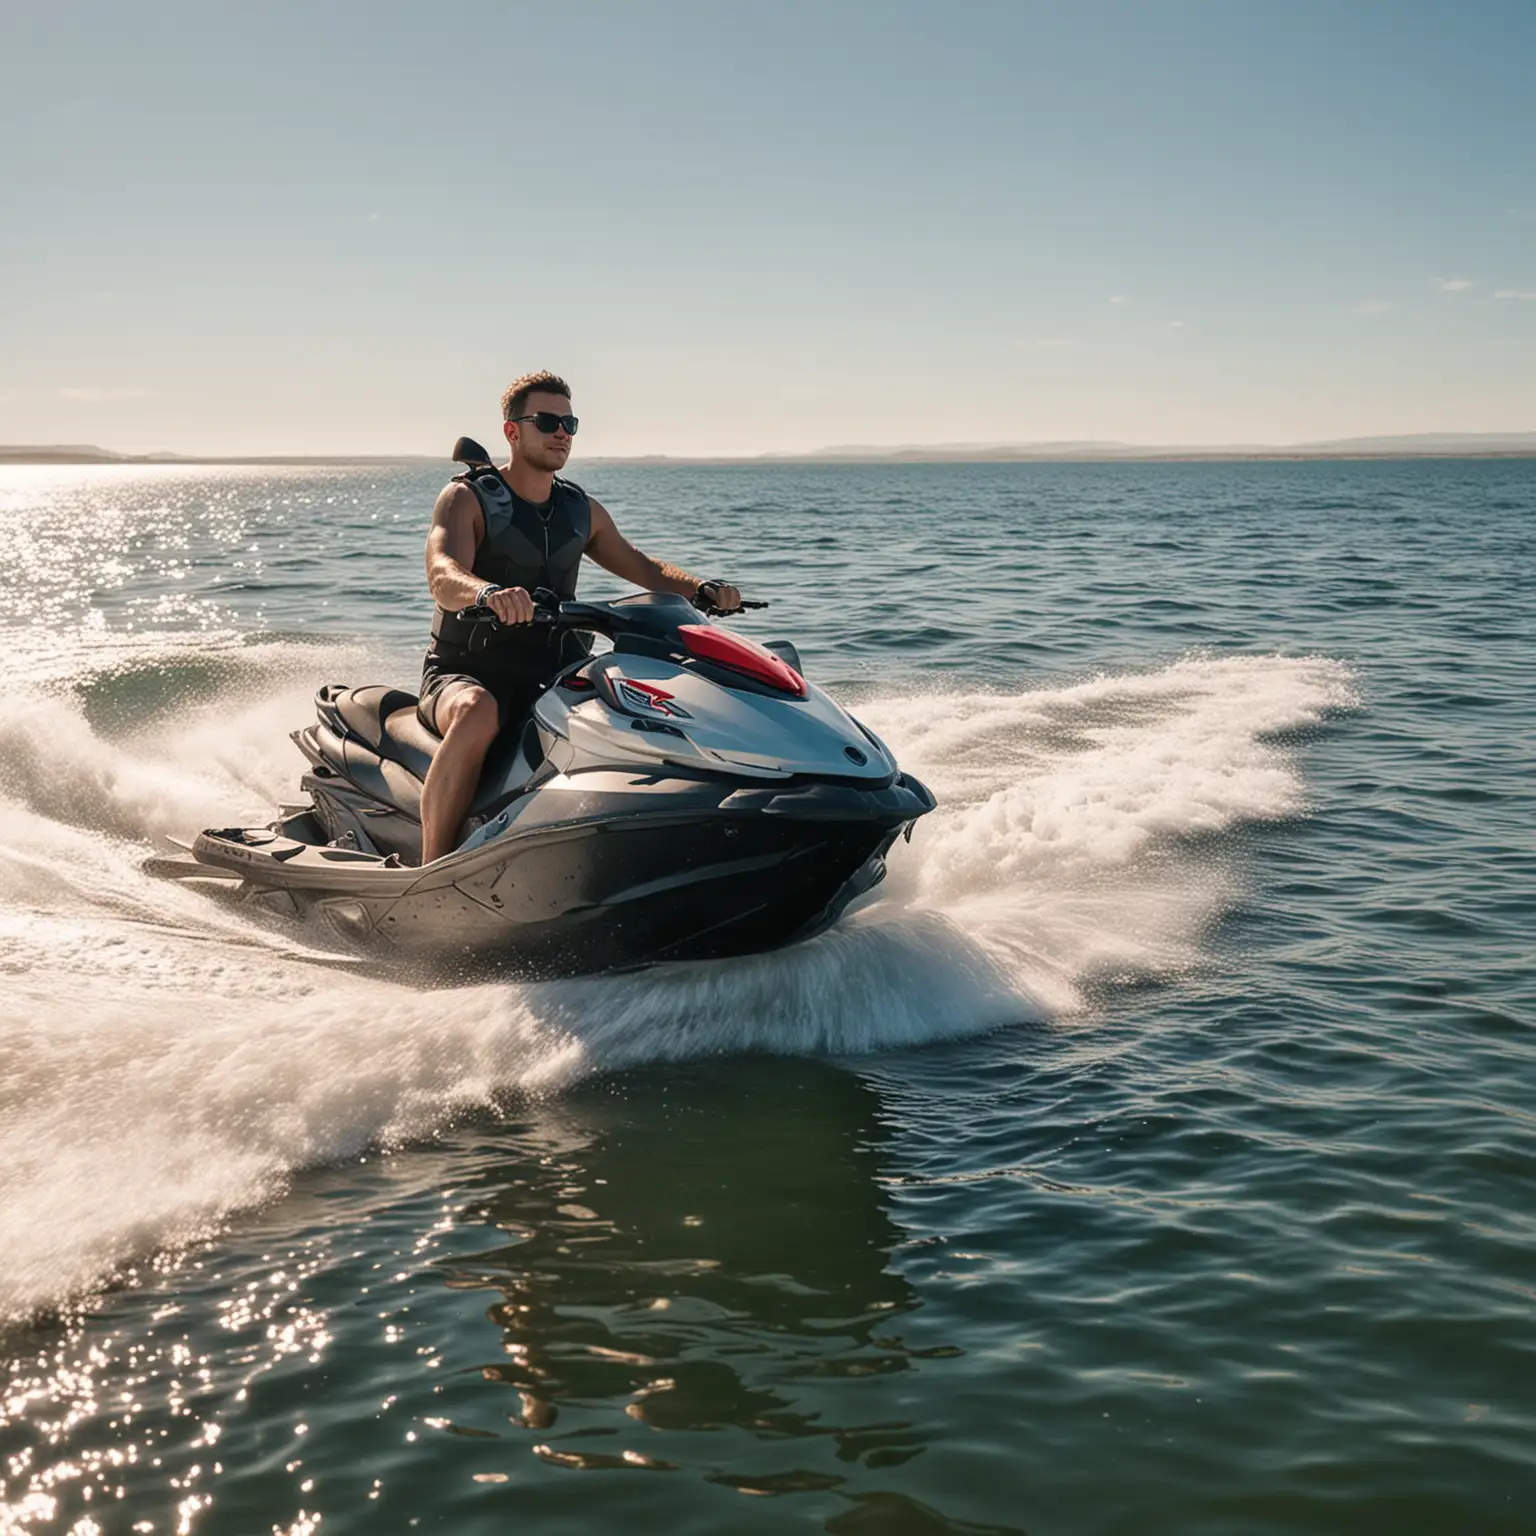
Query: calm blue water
{"x": 1157, "y": 1154}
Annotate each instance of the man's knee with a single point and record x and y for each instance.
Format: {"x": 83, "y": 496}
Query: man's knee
{"x": 469, "y": 714}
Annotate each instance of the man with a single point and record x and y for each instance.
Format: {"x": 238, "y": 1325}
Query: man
{"x": 495, "y": 537}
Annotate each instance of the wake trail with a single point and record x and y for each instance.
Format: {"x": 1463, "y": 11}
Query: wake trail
{"x": 165, "y": 1059}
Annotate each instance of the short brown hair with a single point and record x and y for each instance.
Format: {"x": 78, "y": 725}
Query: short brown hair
{"x": 515, "y": 401}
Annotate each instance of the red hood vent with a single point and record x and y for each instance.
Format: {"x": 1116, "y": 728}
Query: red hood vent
{"x": 711, "y": 643}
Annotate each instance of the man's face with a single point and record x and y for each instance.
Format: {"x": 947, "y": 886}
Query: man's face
{"x": 541, "y": 450}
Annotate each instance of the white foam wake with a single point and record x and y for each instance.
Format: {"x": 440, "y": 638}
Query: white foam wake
{"x": 164, "y": 1060}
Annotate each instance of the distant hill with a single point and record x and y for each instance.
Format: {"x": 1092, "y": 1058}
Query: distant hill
{"x": 85, "y": 453}
{"x": 59, "y": 453}
{"x": 1409, "y": 445}
{"x": 1435, "y": 442}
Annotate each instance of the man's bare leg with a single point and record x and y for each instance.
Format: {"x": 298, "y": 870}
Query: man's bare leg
{"x": 469, "y": 720}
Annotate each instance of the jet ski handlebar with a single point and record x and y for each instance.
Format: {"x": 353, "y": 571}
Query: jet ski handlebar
{"x": 550, "y": 611}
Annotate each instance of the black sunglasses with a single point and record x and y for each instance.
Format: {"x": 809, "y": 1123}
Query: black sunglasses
{"x": 547, "y": 421}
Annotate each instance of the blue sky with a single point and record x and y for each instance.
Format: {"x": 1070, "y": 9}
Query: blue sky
{"x": 335, "y": 227}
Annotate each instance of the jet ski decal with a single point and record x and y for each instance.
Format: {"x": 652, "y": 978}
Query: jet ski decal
{"x": 649, "y": 696}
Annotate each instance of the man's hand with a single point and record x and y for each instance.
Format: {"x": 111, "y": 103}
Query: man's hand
{"x": 511, "y": 605}
{"x": 717, "y": 594}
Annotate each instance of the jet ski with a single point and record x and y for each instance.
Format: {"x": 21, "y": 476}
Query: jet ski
{"x": 686, "y": 794}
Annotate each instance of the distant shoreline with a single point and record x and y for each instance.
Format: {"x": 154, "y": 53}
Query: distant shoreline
{"x": 654, "y": 461}
{"x": 1513, "y": 445}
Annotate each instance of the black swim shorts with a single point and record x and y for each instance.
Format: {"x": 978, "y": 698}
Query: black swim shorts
{"x": 514, "y": 692}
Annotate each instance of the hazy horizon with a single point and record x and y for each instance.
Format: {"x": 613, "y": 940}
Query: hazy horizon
{"x": 327, "y": 231}
{"x": 1431, "y": 444}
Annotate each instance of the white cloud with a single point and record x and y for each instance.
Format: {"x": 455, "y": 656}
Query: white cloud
{"x": 1175, "y": 325}
{"x": 1049, "y": 341}
{"x": 1454, "y": 284}
{"x": 1516, "y": 293}
{"x": 1372, "y": 307}
{"x": 1118, "y": 298}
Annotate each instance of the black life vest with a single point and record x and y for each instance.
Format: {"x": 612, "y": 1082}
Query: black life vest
{"x": 525, "y": 545}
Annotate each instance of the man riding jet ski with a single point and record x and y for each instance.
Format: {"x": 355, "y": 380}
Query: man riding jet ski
{"x": 497, "y": 535}
{"x": 686, "y": 795}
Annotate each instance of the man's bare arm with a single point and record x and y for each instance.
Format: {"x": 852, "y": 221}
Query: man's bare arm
{"x": 451, "y": 544}
{"x": 457, "y": 528}
{"x": 615, "y": 553}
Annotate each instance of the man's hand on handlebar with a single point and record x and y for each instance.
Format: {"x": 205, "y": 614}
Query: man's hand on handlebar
{"x": 717, "y": 597}
{"x": 511, "y": 605}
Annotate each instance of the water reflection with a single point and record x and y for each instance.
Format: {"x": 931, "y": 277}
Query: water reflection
{"x": 715, "y": 1262}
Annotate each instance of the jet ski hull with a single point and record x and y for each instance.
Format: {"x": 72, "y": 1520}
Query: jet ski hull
{"x": 750, "y": 870}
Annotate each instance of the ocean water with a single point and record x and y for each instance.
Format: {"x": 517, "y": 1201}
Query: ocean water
{"x": 1157, "y": 1153}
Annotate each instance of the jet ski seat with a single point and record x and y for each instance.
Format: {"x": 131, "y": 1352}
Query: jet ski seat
{"x": 385, "y": 719}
